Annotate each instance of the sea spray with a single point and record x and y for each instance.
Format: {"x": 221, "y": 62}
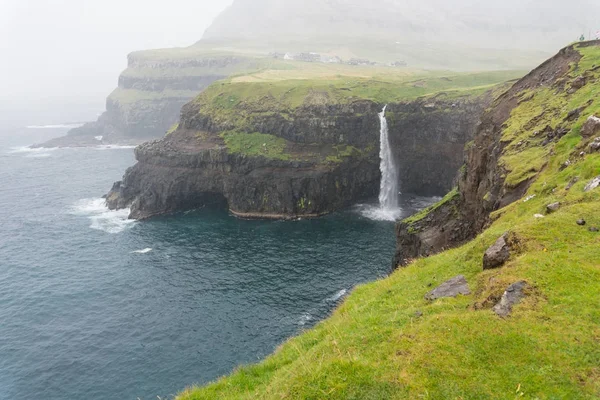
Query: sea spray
{"x": 101, "y": 217}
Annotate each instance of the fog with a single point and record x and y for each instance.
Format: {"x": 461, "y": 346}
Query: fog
{"x": 60, "y": 52}
{"x": 56, "y": 53}
{"x": 508, "y": 24}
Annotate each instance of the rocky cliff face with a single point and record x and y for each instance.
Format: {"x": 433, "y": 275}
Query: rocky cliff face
{"x": 512, "y": 146}
{"x": 428, "y": 137}
{"x": 150, "y": 94}
{"x": 305, "y": 162}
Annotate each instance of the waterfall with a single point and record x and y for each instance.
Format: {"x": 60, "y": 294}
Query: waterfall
{"x": 389, "y": 204}
{"x": 388, "y": 193}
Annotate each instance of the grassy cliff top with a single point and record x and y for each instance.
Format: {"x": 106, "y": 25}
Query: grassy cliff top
{"x": 387, "y": 342}
{"x": 307, "y": 83}
{"x": 430, "y": 55}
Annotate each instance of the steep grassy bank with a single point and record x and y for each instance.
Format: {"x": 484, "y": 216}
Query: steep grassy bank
{"x": 387, "y": 342}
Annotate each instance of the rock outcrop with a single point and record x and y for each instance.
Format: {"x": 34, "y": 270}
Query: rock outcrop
{"x": 512, "y": 296}
{"x": 593, "y": 184}
{"x": 490, "y": 179}
{"x": 497, "y": 254}
{"x": 150, "y": 95}
{"x": 282, "y": 163}
{"x": 450, "y": 288}
{"x": 591, "y": 127}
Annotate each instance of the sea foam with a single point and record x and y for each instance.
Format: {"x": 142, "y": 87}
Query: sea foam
{"x": 337, "y": 296}
{"x": 145, "y": 251}
{"x": 379, "y": 214}
{"x": 29, "y": 152}
{"x": 56, "y": 126}
{"x": 101, "y": 217}
{"x": 113, "y": 147}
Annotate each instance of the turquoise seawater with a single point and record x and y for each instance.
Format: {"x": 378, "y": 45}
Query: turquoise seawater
{"x": 93, "y": 306}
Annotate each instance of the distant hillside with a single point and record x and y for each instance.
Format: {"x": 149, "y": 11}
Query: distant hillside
{"x": 510, "y": 24}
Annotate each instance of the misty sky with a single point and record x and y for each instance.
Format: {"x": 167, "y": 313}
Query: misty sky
{"x": 65, "y": 49}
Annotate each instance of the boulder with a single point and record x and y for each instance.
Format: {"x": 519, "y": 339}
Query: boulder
{"x": 578, "y": 82}
{"x": 581, "y": 222}
{"x": 513, "y": 295}
{"x": 595, "y": 145}
{"x": 572, "y": 183}
{"x": 591, "y": 127}
{"x": 497, "y": 254}
{"x": 451, "y": 288}
{"x": 594, "y": 183}
{"x": 550, "y": 208}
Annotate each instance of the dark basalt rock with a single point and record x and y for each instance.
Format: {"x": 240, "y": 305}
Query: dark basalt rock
{"x": 513, "y": 295}
{"x": 481, "y": 182}
{"x": 497, "y": 254}
{"x": 450, "y": 288}
{"x": 169, "y": 180}
{"x": 579, "y": 82}
{"x": 192, "y": 167}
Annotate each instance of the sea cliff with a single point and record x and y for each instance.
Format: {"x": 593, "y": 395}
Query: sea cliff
{"x": 293, "y": 149}
{"x": 497, "y": 297}
{"x": 151, "y": 92}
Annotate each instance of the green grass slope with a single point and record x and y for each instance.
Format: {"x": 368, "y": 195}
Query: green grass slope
{"x": 239, "y": 100}
{"x": 387, "y": 342}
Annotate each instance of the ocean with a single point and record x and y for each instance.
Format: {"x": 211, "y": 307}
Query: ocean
{"x": 95, "y": 306}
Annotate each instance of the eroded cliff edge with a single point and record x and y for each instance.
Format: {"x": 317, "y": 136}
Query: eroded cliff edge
{"x": 151, "y": 92}
{"x": 297, "y": 152}
{"x": 512, "y": 146}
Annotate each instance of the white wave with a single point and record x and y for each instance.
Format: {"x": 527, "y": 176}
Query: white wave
{"x": 101, "y": 217}
{"x": 56, "y": 126}
{"x": 145, "y": 251}
{"x": 380, "y": 214}
{"x": 38, "y": 155}
{"x": 305, "y": 319}
{"x": 337, "y": 296}
{"x": 27, "y": 149}
{"x": 28, "y": 152}
{"x": 99, "y": 138}
{"x": 113, "y": 147}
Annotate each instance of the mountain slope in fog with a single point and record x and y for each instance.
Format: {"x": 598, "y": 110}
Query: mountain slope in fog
{"x": 515, "y": 24}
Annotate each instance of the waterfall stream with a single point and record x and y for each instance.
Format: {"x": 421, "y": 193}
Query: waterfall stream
{"x": 388, "y": 193}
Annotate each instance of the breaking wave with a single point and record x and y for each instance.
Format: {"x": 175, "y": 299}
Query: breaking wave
{"x": 145, "y": 251}
{"x": 113, "y": 147}
{"x": 101, "y": 217}
{"x": 56, "y": 126}
{"x": 337, "y": 296}
{"x": 29, "y": 152}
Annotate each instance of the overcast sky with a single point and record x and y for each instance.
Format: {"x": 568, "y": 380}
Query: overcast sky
{"x": 55, "y": 49}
